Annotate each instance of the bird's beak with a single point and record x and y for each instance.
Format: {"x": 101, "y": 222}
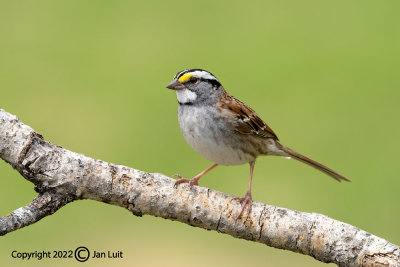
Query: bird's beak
{"x": 175, "y": 85}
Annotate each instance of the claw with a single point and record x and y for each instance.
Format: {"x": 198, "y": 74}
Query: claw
{"x": 194, "y": 180}
{"x": 246, "y": 202}
{"x": 191, "y": 182}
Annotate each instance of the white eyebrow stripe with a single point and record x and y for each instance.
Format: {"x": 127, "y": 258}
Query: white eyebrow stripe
{"x": 203, "y": 75}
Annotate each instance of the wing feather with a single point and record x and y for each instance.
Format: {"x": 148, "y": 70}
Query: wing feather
{"x": 246, "y": 120}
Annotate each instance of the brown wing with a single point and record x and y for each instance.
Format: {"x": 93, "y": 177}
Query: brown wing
{"x": 246, "y": 121}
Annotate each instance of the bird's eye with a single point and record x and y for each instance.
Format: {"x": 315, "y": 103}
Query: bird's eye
{"x": 193, "y": 80}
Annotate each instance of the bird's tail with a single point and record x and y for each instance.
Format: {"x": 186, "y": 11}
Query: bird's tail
{"x": 296, "y": 155}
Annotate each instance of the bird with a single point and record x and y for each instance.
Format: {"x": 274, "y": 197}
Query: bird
{"x": 226, "y": 131}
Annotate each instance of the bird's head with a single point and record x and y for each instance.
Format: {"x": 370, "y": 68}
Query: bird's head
{"x": 196, "y": 86}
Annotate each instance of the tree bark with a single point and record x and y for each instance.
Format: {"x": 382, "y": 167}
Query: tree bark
{"x": 62, "y": 176}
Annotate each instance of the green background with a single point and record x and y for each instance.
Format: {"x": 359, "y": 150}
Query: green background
{"x": 90, "y": 76}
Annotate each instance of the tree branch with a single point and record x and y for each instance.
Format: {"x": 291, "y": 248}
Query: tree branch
{"x": 43, "y": 205}
{"x": 62, "y": 176}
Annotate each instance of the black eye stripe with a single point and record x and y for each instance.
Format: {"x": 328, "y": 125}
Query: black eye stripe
{"x": 212, "y": 81}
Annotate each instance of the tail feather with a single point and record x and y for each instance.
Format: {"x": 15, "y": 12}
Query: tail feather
{"x": 296, "y": 155}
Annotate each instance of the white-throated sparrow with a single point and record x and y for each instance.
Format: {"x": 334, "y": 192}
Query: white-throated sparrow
{"x": 224, "y": 130}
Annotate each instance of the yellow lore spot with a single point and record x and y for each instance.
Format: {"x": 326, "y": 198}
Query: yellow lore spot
{"x": 185, "y": 77}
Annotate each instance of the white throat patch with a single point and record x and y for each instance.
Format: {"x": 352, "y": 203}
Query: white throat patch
{"x": 185, "y": 95}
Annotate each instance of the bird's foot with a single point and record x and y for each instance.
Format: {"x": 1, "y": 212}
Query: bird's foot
{"x": 246, "y": 201}
{"x": 191, "y": 182}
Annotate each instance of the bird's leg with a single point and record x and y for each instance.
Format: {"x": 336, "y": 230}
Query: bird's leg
{"x": 194, "y": 180}
{"x": 247, "y": 198}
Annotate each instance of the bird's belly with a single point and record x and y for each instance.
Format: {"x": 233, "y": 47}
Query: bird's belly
{"x": 217, "y": 152}
{"x": 216, "y": 144}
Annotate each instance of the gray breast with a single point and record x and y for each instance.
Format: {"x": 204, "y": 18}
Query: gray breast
{"x": 213, "y": 137}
